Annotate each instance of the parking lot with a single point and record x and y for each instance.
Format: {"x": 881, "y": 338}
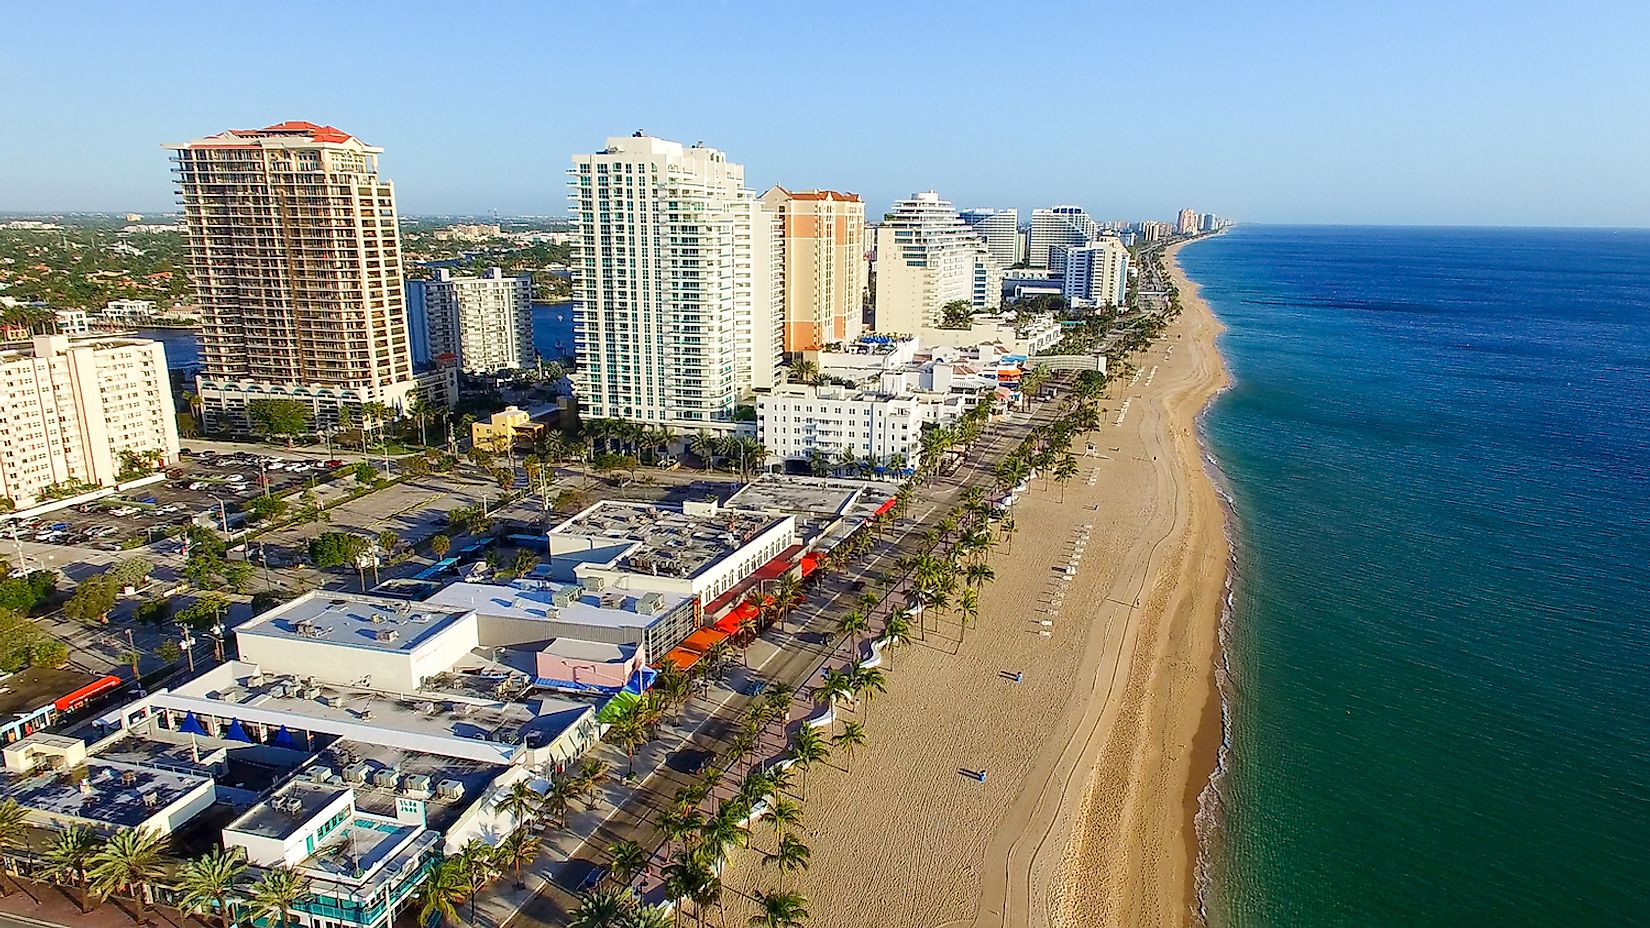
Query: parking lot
{"x": 204, "y": 483}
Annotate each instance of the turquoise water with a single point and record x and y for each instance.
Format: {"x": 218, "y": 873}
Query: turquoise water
{"x": 1438, "y": 450}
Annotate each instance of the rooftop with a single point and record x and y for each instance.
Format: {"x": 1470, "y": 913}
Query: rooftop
{"x": 550, "y": 600}
{"x": 101, "y": 792}
{"x": 372, "y": 794}
{"x": 352, "y": 621}
{"x": 809, "y": 495}
{"x": 660, "y": 540}
{"x": 288, "y": 810}
{"x": 431, "y": 721}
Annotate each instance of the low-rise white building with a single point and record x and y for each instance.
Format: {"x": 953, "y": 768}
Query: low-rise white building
{"x": 1029, "y": 336}
{"x": 72, "y": 322}
{"x": 71, "y": 411}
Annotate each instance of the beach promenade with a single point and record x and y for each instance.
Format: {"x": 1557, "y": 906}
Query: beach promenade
{"x": 1094, "y": 756}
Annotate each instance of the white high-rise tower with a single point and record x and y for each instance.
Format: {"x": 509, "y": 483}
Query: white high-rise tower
{"x": 677, "y": 284}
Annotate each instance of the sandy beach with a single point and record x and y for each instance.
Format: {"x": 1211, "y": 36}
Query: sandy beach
{"x": 1095, "y": 757}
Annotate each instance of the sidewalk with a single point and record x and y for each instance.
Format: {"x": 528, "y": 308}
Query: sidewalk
{"x": 52, "y": 907}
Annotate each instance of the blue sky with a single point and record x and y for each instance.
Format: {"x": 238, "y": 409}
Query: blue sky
{"x": 1394, "y": 112}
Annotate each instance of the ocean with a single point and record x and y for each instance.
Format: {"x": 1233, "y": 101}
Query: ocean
{"x": 552, "y": 336}
{"x": 1437, "y": 447}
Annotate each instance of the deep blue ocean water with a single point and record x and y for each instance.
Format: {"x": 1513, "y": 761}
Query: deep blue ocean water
{"x": 1438, "y": 448}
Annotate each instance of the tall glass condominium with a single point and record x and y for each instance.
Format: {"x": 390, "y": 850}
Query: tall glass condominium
{"x": 678, "y": 284}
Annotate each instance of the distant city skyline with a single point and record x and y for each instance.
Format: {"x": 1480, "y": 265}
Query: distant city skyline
{"x": 1470, "y": 113}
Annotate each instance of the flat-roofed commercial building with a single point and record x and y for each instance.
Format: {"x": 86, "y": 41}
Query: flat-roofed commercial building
{"x": 354, "y": 640}
{"x": 823, "y": 238}
{"x": 59, "y": 786}
{"x": 295, "y": 253}
{"x": 532, "y": 611}
{"x": 76, "y": 412}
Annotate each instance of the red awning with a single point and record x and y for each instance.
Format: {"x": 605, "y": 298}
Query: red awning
{"x": 702, "y": 640}
{"x": 683, "y": 658}
{"x": 779, "y": 566}
{"x": 810, "y": 563}
{"x": 742, "y": 613}
{"x": 884, "y": 507}
{"x": 70, "y": 700}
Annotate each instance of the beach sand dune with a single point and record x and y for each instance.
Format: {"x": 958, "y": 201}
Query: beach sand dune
{"x": 1095, "y": 757}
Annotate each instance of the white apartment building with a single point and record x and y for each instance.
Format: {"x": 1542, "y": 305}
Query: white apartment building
{"x": 677, "y": 296}
{"x": 295, "y": 252}
{"x": 928, "y": 257}
{"x": 797, "y": 420}
{"x": 1030, "y": 336}
{"x": 478, "y": 324}
{"x": 1057, "y": 225}
{"x": 1096, "y": 274}
{"x": 129, "y": 311}
{"x": 72, "y": 321}
{"x": 1000, "y": 228}
{"x": 69, "y": 408}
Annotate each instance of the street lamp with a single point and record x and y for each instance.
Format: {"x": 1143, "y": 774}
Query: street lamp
{"x": 223, "y": 513}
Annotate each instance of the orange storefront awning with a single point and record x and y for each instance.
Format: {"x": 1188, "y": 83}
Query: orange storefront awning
{"x": 702, "y": 640}
{"x": 810, "y": 563}
{"x": 682, "y": 658}
{"x": 730, "y": 623}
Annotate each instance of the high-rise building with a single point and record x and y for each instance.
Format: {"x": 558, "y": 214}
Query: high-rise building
{"x": 476, "y": 324}
{"x": 678, "y": 289}
{"x": 1096, "y": 273}
{"x": 76, "y": 413}
{"x": 1208, "y": 223}
{"x": 296, "y": 259}
{"x": 1000, "y": 228}
{"x": 822, "y": 234}
{"x": 926, "y": 257}
{"x": 1186, "y": 222}
{"x": 1057, "y": 225}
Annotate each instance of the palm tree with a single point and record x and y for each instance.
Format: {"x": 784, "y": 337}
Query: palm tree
{"x": 838, "y": 684}
{"x": 851, "y": 737}
{"x": 780, "y": 910}
{"x": 805, "y": 371}
{"x": 679, "y": 823}
{"x": 978, "y": 573}
{"x": 604, "y": 907}
{"x": 626, "y": 859}
{"x": 12, "y": 832}
{"x": 851, "y": 625}
{"x": 689, "y": 876}
{"x": 519, "y": 850}
{"x": 592, "y": 772}
{"x": 129, "y": 862}
{"x": 647, "y": 916}
{"x": 808, "y": 748}
{"x": 67, "y": 858}
{"x": 968, "y": 607}
{"x": 1064, "y": 472}
{"x": 791, "y": 855}
{"x": 629, "y": 733}
{"x": 782, "y": 814}
{"x": 208, "y": 880}
{"x": 277, "y": 892}
{"x": 445, "y": 888}
{"x": 896, "y": 631}
{"x": 869, "y": 681}
{"x": 521, "y": 802}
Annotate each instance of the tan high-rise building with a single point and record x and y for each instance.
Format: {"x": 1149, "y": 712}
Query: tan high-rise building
{"x": 823, "y": 236}
{"x": 296, "y": 259}
{"x": 1186, "y": 222}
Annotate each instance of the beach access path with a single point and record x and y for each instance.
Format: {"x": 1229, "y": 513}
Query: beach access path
{"x": 1084, "y": 816}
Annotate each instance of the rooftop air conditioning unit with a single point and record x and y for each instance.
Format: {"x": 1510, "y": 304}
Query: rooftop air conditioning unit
{"x": 356, "y": 773}
{"x": 650, "y": 604}
{"x": 386, "y": 634}
{"x": 566, "y": 596}
{"x": 388, "y": 779}
{"x": 417, "y": 785}
{"x": 312, "y": 692}
{"x": 128, "y": 777}
{"x": 596, "y": 584}
{"x": 278, "y": 690}
{"x": 255, "y": 681}
{"x": 320, "y": 773}
{"x": 449, "y": 789}
{"x": 335, "y": 700}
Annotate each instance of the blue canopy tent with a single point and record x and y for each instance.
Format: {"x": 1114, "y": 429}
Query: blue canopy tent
{"x": 191, "y": 725}
{"x": 237, "y": 732}
{"x": 284, "y": 739}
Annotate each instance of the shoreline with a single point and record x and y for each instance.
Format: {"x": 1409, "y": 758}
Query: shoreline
{"x": 1099, "y": 747}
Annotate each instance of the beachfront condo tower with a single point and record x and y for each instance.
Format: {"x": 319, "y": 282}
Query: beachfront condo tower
{"x": 1057, "y": 225}
{"x": 1094, "y": 274}
{"x": 677, "y": 284}
{"x": 822, "y": 233}
{"x": 1000, "y": 228}
{"x": 1186, "y": 222}
{"x": 927, "y": 256}
{"x": 479, "y": 325}
{"x": 296, "y": 260}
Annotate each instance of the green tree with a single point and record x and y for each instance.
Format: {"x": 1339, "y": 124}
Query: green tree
{"x": 626, "y": 859}
{"x": 790, "y": 856}
{"x": 279, "y": 418}
{"x": 276, "y": 893}
{"x": 445, "y": 888}
{"x": 93, "y": 599}
{"x": 209, "y": 882}
{"x": 265, "y": 508}
{"x": 957, "y": 314}
{"x": 13, "y": 833}
{"x": 440, "y": 545}
{"x": 780, "y": 910}
{"x": 603, "y": 907}
{"x": 851, "y": 737}
{"x": 337, "y": 549}
{"x": 519, "y": 850}
{"x": 130, "y": 862}
{"x": 68, "y": 857}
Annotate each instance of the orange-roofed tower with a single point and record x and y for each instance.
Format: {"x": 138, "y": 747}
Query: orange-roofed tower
{"x": 296, "y": 259}
{"x": 823, "y": 234}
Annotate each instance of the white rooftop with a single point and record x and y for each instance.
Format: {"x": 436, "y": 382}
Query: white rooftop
{"x": 537, "y": 599}
{"x": 352, "y": 621}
